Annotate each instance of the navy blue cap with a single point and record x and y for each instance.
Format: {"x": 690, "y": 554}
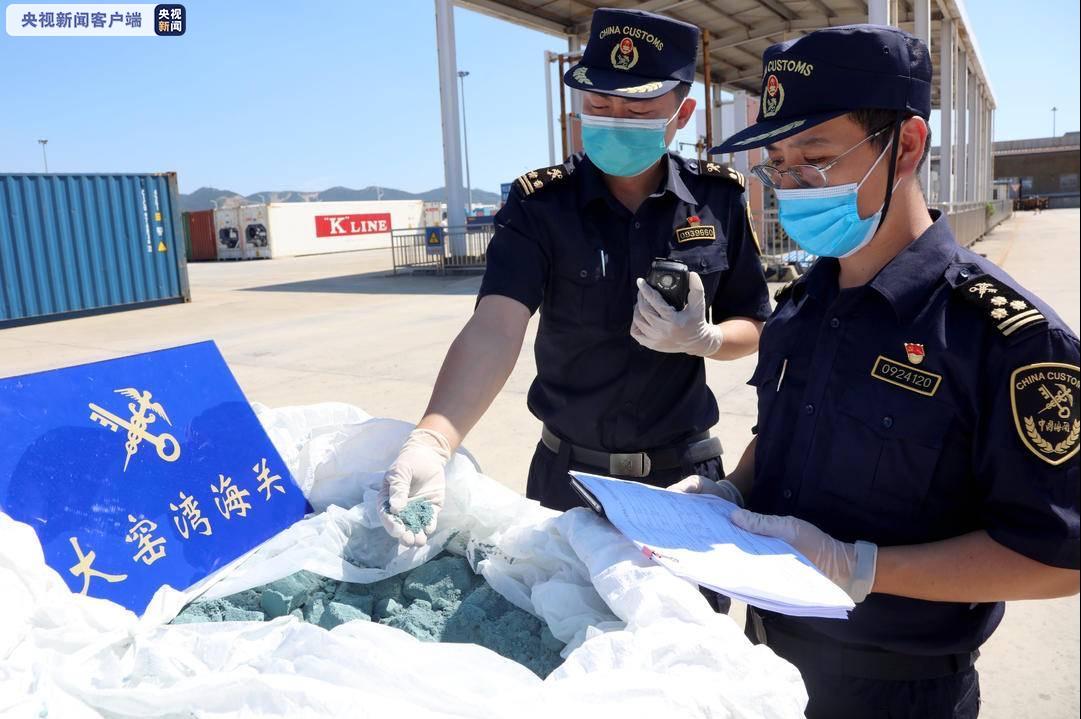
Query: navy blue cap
{"x": 831, "y": 72}
{"x": 635, "y": 54}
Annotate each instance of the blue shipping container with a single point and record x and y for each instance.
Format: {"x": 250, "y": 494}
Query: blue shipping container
{"x": 79, "y": 244}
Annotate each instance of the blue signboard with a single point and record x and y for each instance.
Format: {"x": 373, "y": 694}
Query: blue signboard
{"x": 504, "y": 190}
{"x": 433, "y": 240}
{"x": 141, "y": 471}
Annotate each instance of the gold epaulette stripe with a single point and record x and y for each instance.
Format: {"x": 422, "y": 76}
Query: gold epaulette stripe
{"x": 526, "y": 185}
{"x": 1015, "y": 323}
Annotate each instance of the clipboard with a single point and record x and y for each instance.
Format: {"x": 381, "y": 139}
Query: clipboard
{"x": 587, "y": 496}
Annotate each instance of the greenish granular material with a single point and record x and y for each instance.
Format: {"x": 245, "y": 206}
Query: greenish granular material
{"x": 440, "y": 601}
{"x": 289, "y": 593}
{"x": 337, "y": 613}
{"x": 314, "y": 609}
{"x": 440, "y": 582}
{"x": 418, "y": 620}
{"x": 415, "y": 516}
{"x": 387, "y": 607}
{"x": 236, "y": 614}
{"x": 486, "y": 618}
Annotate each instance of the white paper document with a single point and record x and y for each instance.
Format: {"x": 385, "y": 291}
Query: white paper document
{"x": 692, "y": 536}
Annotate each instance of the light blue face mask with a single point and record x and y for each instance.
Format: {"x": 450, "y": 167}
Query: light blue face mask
{"x": 624, "y": 147}
{"x": 825, "y": 221}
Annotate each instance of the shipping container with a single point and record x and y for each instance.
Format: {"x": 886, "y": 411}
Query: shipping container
{"x": 80, "y": 244}
{"x": 200, "y": 230}
{"x": 228, "y": 243}
{"x": 254, "y": 220}
{"x": 291, "y": 229}
{"x": 187, "y": 234}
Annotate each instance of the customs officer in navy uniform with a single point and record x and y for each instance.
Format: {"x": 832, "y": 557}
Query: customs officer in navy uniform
{"x": 918, "y": 427}
{"x": 621, "y": 383}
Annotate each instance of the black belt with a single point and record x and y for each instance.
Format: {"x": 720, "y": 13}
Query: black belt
{"x": 830, "y": 657}
{"x": 696, "y": 449}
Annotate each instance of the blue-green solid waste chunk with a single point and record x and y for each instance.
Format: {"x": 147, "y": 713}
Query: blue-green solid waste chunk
{"x": 387, "y": 588}
{"x": 418, "y": 620}
{"x": 206, "y": 610}
{"x": 487, "y": 619}
{"x": 236, "y": 614}
{"x": 362, "y": 602}
{"x": 387, "y": 608}
{"x": 415, "y": 516}
{"x": 313, "y": 610}
{"x": 337, "y": 613}
{"x": 289, "y": 593}
{"x": 447, "y": 579}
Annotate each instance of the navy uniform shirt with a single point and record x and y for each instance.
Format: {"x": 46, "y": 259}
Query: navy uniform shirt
{"x": 596, "y": 386}
{"x": 937, "y": 400}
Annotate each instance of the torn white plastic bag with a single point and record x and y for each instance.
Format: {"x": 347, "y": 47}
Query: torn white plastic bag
{"x": 641, "y": 642}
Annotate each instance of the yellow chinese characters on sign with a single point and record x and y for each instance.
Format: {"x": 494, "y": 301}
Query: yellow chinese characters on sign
{"x": 231, "y": 498}
{"x": 151, "y": 548}
{"x": 85, "y": 569}
{"x": 188, "y": 517}
{"x": 267, "y": 481}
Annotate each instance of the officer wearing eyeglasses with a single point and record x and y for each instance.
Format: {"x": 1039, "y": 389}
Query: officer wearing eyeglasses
{"x": 918, "y": 428}
{"x": 621, "y": 383}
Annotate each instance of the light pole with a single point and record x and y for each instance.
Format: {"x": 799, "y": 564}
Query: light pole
{"x": 462, "y": 74}
{"x": 1053, "y": 111}
{"x": 44, "y": 157}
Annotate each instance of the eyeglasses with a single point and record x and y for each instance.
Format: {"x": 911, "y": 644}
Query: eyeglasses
{"x": 805, "y": 175}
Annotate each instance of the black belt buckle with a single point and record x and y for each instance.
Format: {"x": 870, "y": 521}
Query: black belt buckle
{"x": 631, "y": 464}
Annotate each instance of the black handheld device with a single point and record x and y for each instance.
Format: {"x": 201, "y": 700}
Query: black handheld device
{"x": 670, "y": 278}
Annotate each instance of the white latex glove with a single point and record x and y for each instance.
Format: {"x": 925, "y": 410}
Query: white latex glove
{"x": 417, "y": 473}
{"x": 658, "y": 326}
{"x": 849, "y": 566}
{"x": 697, "y": 484}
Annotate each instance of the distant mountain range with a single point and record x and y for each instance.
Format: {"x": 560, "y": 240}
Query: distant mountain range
{"x": 206, "y": 197}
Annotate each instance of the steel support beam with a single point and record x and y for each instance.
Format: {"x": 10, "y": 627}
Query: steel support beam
{"x": 878, "y": 12}
{"x": 449, "y": 113}
{"x": 740, "y": 105}
{"x": 922, "y": 9}
{"x": 971, "y": 151}
{"x": 945, "y": 122}
{"x": 961, "y": 163}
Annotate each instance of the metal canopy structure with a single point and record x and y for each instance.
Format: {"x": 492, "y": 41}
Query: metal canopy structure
{"x": 739, "y": 30}
{"x": 736, "y": 32}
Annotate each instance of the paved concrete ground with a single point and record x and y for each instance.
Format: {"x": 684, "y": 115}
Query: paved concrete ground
{"x": 305, "y": 330}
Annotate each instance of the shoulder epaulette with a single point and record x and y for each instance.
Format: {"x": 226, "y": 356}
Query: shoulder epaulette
{"x": 535, "y": 180}
{"x": 716, "y": 169}
{"x": 999, "y": 304}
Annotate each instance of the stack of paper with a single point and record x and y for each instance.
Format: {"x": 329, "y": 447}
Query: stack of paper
{"x": 691, "y": 535}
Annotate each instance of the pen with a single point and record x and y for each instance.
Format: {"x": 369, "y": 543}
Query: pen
{"x": 651, "y": 554}
{"x": 780, "y": 379}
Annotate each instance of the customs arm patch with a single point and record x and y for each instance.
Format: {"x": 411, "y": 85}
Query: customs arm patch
{"x": 1043, "y": 399}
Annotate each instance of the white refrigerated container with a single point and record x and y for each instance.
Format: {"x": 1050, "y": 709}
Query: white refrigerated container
{"x": 312, "y": 228}
{"x": 255, "y": 231}
{"x": 227, "y": 233}
{"x": 291, "y": 229}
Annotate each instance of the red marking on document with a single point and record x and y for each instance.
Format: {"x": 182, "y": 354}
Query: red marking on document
{"x": 652, "y": 554}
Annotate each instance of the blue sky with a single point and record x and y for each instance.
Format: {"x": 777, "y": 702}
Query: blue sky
{"x": 305, "y": 96}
